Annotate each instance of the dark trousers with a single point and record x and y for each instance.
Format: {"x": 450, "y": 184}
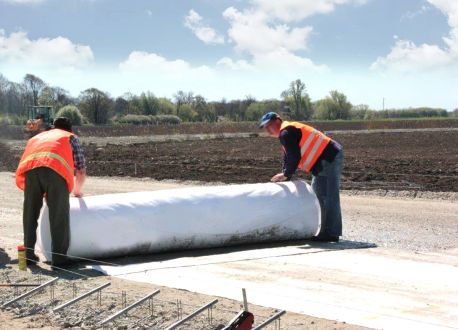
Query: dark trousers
{"x": 40, "y": 181}
{"x": 326, "y": 185}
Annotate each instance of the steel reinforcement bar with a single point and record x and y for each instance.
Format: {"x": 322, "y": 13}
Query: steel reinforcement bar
{"x": 125, "y": 310}
{"x": 269, "y": 320}
{"x": 190, "y": 316}
{"x": 74, "y": 300}
{"x": 29, "y": 293}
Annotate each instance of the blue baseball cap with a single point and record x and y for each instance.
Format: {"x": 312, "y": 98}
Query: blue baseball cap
{"x": 267, "y": 118}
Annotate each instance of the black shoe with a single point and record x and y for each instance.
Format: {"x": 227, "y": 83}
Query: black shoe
{"x": 32, "y": 260}
{"x": 325, "y": 238}
{"x": 61, "y": 264}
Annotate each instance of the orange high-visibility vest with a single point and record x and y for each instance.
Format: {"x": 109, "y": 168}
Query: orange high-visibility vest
{"x": 48, "y": 149}
{"x": 312, "y": 144}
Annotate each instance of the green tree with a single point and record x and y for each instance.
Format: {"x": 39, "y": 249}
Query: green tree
{"x": 182, "y": 98}
{"x": 71, "y": 112}
{"x": 121, "y": 106}
{"x": 187, "y": 113}
{"x": 54, "y": 96}
{"x": 255, "y": 111}
{"x": 4, "y": 85}
{"x": 149, "y": 104}
{"x": 95, "y": 105}
{"x": 297, "y": 99}
{"x": 361, "y": 111}
{"x": 166, "y": 107}
{"x": 205, "y": 112}
{"x": 333, "y": 107}
{"x": 34, "y": 86}
{"x": 135, "y": 105}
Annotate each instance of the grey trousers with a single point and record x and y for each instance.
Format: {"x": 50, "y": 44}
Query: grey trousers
{"x": 326, "y": 186}
{"x": 39, "y": 181}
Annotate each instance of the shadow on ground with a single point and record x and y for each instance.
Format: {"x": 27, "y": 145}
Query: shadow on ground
{"x": 306, "y": 245}
{"x": 78, "y": 270}
{"x": 4, "y": 258}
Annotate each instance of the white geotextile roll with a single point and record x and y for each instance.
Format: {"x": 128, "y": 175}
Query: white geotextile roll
{"x": 186, "y": 218}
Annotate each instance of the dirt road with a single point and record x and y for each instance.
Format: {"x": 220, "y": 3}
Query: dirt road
{"x": 423, "y": 228}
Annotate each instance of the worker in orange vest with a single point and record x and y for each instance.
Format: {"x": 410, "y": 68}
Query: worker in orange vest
{"x": 310, "y": 150}
{"x": 52, "y": 166}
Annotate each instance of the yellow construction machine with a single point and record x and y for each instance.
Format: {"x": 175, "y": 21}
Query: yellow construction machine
{"x": 40, "y": 118}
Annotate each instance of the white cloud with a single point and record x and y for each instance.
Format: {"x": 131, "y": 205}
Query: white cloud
{"x": 228, "y": 63}
{"x": 143, "y": 71}
{"x": 208, "y": 35}
{"x": 413, "y": 14}
{"x": 150, "y": 63}
{"x": 283, "y": 60}
{"x": 56, "y": 53}
{"x": 450, "y": 9}
{"x": 406, "y": 56}
{"x": 251, "y": 32}
{"x": 264, "y": 31}
{"x": 293, "y": 10}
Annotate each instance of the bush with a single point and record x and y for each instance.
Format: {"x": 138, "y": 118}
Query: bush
{"x": 71, "y": 112}
{"x": 5, "y": 121}
{"x": 13, "y": 120}
{"x": 167, "y": 120}
{"x": 187, "y": 113}
{"x": 149, "y": 120}
{"x": 412, "y": 113}
{"x": 135, "y": 120}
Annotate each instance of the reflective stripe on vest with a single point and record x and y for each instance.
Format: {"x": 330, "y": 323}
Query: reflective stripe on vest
{"x": 50, "y": 149}
{"x": 312, "y": 144}
{"x": 48, "y": 154}
{"x": 313, "y": 152}
{"x": 308, "y": 141}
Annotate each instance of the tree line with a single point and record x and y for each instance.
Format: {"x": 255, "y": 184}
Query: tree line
{"x": 94, "y": 106}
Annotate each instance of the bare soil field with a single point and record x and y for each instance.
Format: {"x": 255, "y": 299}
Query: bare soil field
{"x": 421, "y": 161}
{"x": 15, "y": 132}
{"x": 424, "y": 160}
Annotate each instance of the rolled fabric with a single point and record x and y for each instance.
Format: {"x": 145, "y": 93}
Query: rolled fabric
{"x": 123, "y": 224}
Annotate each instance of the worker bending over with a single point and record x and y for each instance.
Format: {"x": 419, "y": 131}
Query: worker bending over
{"x": 47, "y": 169}
{"x": 312, "y": 151}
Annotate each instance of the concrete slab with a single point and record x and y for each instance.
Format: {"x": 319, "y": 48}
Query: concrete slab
{"x": 372, "y": 287}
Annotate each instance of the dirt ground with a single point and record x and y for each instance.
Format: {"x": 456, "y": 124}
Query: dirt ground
{"x": 414, "y": 160}
{"x": 421, "y": 161}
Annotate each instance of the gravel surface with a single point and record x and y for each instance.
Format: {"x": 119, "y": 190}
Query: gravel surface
{"x": 397, "y": 220}
{"x": 36, "y": 311}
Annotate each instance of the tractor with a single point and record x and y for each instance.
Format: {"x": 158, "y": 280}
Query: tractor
{"x": 40, "y": 119}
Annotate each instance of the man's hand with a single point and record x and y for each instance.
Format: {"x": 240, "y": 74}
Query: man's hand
{"x": 80, "y": 177}
{"x": 279, "y": 178}
{"x": 77, "y": 194}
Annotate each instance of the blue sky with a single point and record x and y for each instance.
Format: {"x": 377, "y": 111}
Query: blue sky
{"x": 405, "y": 52}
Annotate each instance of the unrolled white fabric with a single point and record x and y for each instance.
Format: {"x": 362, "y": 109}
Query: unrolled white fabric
{"x": 186, "y": 218}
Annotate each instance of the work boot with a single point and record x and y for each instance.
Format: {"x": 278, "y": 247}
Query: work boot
{"x": 325, "y": 238}
{"x": 61, "y": 263}
{"x": 32, "y": 259}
